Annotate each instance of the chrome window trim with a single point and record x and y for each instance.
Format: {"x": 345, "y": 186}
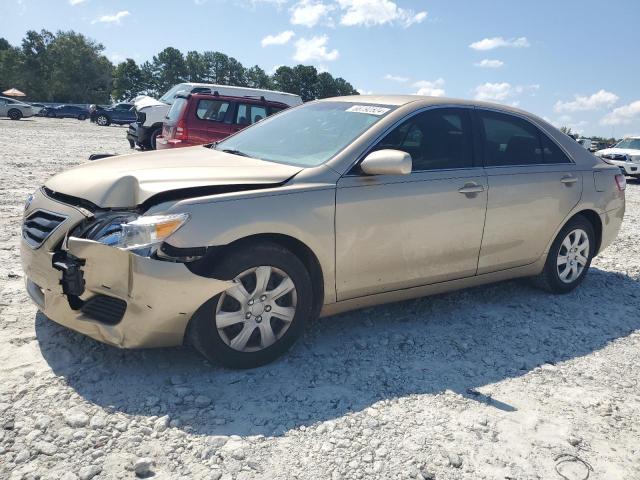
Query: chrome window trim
{"x": 538, "y": 127}
{"x": 398, "y": 123}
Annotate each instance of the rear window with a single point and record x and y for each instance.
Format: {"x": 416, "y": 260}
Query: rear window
{"x": 212, "y": 110}
{"x": 176, "y": 109}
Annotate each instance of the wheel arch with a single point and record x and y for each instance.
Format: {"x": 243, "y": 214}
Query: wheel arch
{"x": 594, "y": 219}
{"x": 301, "y": 250}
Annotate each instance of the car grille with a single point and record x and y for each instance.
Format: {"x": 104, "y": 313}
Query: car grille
{"x": 39, "y": 225}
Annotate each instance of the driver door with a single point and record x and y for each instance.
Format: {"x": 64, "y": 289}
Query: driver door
{"x": 395, "y": 232}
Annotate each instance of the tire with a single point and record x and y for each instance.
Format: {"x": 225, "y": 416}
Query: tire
{"x": 103, "y": 121}
{"x": 572, "y": 235}
{"x": 152, "y": 138}
{"x": 243, "y": 344}
{"x": 82, "y": 116}
{"x": 14, "y": 114}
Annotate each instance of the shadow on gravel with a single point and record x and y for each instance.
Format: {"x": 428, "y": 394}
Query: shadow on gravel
{"x": 460, "y": 341}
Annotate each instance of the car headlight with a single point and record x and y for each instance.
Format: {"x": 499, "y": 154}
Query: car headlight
{"x": 129, "y": 231}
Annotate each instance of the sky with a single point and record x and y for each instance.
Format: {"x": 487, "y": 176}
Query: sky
{"x": 568, "y": 61}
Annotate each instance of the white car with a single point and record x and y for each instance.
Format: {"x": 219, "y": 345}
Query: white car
{"x": 625, "y": 154}
{"x": 15, "y": 109}
{"x": 585, "y": 142}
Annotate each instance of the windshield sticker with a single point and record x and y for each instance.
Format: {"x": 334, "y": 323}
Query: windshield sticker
{"x": 370, "y": 109}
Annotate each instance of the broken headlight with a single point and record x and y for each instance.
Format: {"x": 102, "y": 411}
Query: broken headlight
{"x": 130, "y": 231}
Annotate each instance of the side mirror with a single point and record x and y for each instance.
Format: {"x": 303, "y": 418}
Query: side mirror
{"x": 387, "y": 162}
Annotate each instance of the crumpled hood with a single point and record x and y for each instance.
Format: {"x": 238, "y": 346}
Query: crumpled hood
{"x": 142, "y": 101}
{"x": 130, "y": 180}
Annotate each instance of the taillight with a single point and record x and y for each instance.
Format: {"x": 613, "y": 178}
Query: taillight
{"x": 621, "y": 182}
{"x": 182, "y": 133}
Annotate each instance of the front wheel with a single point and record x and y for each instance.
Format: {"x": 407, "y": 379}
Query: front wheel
{"x": 154, "y": 136}
{"x": 570, "y": 257}
{"x": 15, "y": 114}
{"x": 261, "y": 315}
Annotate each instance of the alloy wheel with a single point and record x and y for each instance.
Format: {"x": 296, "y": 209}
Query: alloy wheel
{"x": 573, "y": 255}
{"x": 101, "y": 120}
{"x": 258, "y": 310}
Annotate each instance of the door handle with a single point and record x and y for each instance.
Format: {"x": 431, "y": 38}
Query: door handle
{"x": 471, "y": 187}
{"x": 569, "y": 179}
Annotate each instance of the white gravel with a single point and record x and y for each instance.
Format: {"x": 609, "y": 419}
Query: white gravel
{"x": 494, "y": 382}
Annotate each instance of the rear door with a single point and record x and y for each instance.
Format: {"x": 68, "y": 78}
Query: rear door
{"x": 208, "y": 119}
{"x": 533, "y": 185}
{"x": 3, "y": 107}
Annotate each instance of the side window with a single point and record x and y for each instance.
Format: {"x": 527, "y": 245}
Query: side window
{"x": 258, "y": 112}
{"x": 249, "y": 114}
{"x": 509, "y": 140}
{"x": 212, "y": 110}
{"x": 436, "y": 139}
{"x": 552, "y": 153}
{"x": 242, "y": 115}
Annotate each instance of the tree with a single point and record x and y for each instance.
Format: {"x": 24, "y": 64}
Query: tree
{"x": 236, "y": 73}
{"x": 306, "y": 80}
{"x": 257, "y": 78}
{"x": 127, "y": 80}
{"x": 36, "y": 68}
{"x": 285, "y": 80}
{"x": 169, "y": 68}
{"x": 11, "y": 66}
{"x": 196, "y": 67}
{"x": 216, "y": 67}
{"x": 326, "y": 86}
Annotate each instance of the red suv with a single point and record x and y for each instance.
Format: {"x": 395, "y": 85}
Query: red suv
{"x": 199, "y": 118}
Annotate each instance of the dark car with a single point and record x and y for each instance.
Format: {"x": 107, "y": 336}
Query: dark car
{"x": 68, "y": 111}
{"x": 120, "y": 114}
{"x": 199, "y": 118}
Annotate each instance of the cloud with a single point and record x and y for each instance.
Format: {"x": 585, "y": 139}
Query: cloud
{"x": 73, "y": 3}
{"x": 377, "y": 12}
{"x": 279, "y": 39}
{"x": 314, "y": 48}
{"x": 500, "y": 92}
{"x": 600, "y": 99}
{"x": 396, "y": 78}
{"x": 309, "y": 13}
{"x": 497, "y": 42}
{"x": 430, "y": 89}
{"x": 486, "y": 63}
{"x": 622, "y": 115}
{"x": 115, "y": 18}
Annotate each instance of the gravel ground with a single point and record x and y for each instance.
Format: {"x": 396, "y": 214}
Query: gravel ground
{"x": 494, "y": 382}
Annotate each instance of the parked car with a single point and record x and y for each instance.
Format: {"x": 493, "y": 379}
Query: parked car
{"x": 625, "y": 154}
{"x": 334, "y": 205}
{"x": 584, "y": 142}
{"x": 15, "y": 109}
{"x": 151, "y": 112}
{"x": 37, "y": 108}
{"x": 196, "y": 119}
{"x": 597, "y": 145}
{"x": 119, "y": 114}
{"x": 68, "y": 111}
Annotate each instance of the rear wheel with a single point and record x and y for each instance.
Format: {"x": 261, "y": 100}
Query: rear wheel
{"x": 14, "y": 114}
{"x": 261, "y": 315}
{"x": 569, "y": 258}
{"x": 103, "y": 120}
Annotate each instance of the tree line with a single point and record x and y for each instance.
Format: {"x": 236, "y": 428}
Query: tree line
{"x": 68, "y": 67}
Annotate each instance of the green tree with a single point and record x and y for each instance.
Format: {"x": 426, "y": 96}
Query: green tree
{"x": 306, "y": 81}
{"x": 216, "y": 67}
{"x": 257, "y": 78}
{"x": 196, "y": 67}
{"x": 169, "y": 68}
{"x": 236, "y": 73}
{"x": 285, "y": 80}
{"x": 36, "y": 64}
{"x": 127, "y": 80}
{"x": 326, "y": 86}
{"x": 78, "y": 72}
{"x": 344, "y": 88}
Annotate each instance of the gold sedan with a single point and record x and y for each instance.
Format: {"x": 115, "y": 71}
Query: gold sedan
{"x": 331, "y": 206}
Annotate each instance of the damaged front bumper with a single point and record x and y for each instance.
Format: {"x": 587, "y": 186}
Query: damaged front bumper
{"x": 109, "y": 294}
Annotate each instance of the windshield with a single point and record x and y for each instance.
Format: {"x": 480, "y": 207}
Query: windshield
{"x": 168, "y": 97}
{"x": 633, "y": 143}
{"x": 305, "y": 136}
